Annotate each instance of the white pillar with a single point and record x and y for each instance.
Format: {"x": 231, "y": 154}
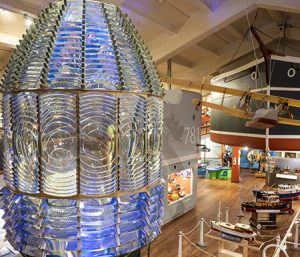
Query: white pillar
{"x": 241, "y": 214}
{"x": 227, "y": 215}
{"x": 201, "y": 234}
{"x": 180, "y": 244}
{"x": 219, "y": 212}
{"x": 296, "y": 240}
{"x": 278, "y": 240}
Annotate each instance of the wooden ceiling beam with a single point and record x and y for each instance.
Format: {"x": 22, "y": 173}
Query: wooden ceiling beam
{"x": 8, "y": 40}
{"x": 168, "y": 29}
{"x": 215, "y": 63}
{"x": 197, "y": 28}
{"x": 234, "y": 32}
{"x": 293, "y": 33}
{"x": 292, "y": 6}
{"x": 206, "y": 51}
{"x": 183, "y": 62}
{"x": 276, "y": 16}
{"x": 200, "y": 5}
{"x": 20, "y": 6}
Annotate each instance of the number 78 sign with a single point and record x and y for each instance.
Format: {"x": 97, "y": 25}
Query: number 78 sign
{"x": 192, "y": 135}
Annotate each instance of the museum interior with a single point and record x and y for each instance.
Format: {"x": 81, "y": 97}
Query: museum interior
{"x": 149, "y": 128}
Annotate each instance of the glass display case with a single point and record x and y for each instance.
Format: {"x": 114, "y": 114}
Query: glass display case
{"x": 179, "y": 185}
{"x": 180, "y": 188}
{"x": 285, "y": 171}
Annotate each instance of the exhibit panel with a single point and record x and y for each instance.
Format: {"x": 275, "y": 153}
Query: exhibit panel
{"x": 182, "y": 133}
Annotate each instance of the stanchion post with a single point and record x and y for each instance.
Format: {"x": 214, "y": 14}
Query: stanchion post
{"x": 241, "y": 214}
{"x": 180, "y": 236}
{"x": 201, "y": 234}
{"x": 278, "y": 240}
{"x": 227, "y": 215}
{"x": 296, "y": 239}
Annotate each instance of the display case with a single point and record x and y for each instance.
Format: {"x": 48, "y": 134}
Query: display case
{"x": 179, "y": 185}
{"x": 180, "y": 188}
{"x": 286, "y": 171}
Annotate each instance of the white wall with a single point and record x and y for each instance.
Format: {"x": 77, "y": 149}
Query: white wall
{"x": 215, "y": 151}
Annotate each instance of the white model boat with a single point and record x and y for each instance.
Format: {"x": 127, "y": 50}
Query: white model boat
{"x": 239, "y": 230}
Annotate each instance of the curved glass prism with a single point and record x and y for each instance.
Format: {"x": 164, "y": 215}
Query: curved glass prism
{"x": 82, "y": 115}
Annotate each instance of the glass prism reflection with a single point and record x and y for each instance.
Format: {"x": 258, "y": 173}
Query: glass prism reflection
{"x": 82, "y": 115}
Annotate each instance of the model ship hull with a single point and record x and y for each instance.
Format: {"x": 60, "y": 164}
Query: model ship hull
{"x": 257, "y": 207}
{"x": 230, "y": 232}
{"x": 282, "y": 196}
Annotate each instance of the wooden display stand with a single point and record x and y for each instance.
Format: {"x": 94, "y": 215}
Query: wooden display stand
{"x": 263, "y": 220}
{"x": 225, "y": 252}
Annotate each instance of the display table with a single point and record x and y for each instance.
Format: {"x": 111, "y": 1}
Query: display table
{"x": 213, "y": 173}
{"x": 202, "y": 170}
{"x": 225, "y": 173}
{"x": 274, "y": 179}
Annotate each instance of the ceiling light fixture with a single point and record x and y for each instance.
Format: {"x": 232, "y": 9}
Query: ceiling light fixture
{"x": 3, "y": 11}
{"x": 28, "y": 20}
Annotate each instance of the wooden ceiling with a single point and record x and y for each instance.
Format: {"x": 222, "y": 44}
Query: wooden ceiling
{"x": 200, "y": 36}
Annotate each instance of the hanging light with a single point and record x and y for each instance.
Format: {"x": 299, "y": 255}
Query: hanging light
{"x": 28, "y": 20}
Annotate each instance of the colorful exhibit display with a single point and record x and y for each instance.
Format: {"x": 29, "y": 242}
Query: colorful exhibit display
{"x": 82, "y": 111}
{"x": 179, "y": 185}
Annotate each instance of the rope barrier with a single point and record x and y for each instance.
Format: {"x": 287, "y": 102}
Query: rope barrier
{"x": 267, "y": 242}
{"x": 184, "y": 235}
{"x": 198, "y": 247}
{"x": 206, "y": 223}
{"x": 193, "y": 228}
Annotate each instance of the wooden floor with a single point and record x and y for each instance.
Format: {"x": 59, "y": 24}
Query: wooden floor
{"x": 209, "y": 194}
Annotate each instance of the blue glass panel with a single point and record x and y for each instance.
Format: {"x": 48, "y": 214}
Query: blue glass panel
{"x": 31, "y": 74}
{"x": 65, "y": 65}
{"x": 101, "y": 69}
{"x": 132, "y": 71}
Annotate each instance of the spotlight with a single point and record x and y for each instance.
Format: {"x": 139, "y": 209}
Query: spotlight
{"x": 245, "y": 148}
{"x": 28, "y": 20}
{"x": 3, "y": 11}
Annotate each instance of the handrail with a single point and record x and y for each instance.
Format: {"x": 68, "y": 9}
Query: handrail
{"x": 279, "y": 248}
{"x": 276, "y": 253}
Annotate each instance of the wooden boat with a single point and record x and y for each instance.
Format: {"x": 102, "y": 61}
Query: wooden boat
{"x": 267, "y": 203}
{"x": 284, "y": 192}
{"x": 233, "y": 232}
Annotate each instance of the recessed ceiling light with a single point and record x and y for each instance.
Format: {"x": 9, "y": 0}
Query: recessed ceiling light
{"x": 28, "y": 20}
{"x": 3, "y": 11}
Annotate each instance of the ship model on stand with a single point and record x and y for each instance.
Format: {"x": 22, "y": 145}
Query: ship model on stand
{"x": 267, "y": 203}
{"x": 266, "y": 206}
{"x": 232, "y": 232}
{"x": 285, "y": 192}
